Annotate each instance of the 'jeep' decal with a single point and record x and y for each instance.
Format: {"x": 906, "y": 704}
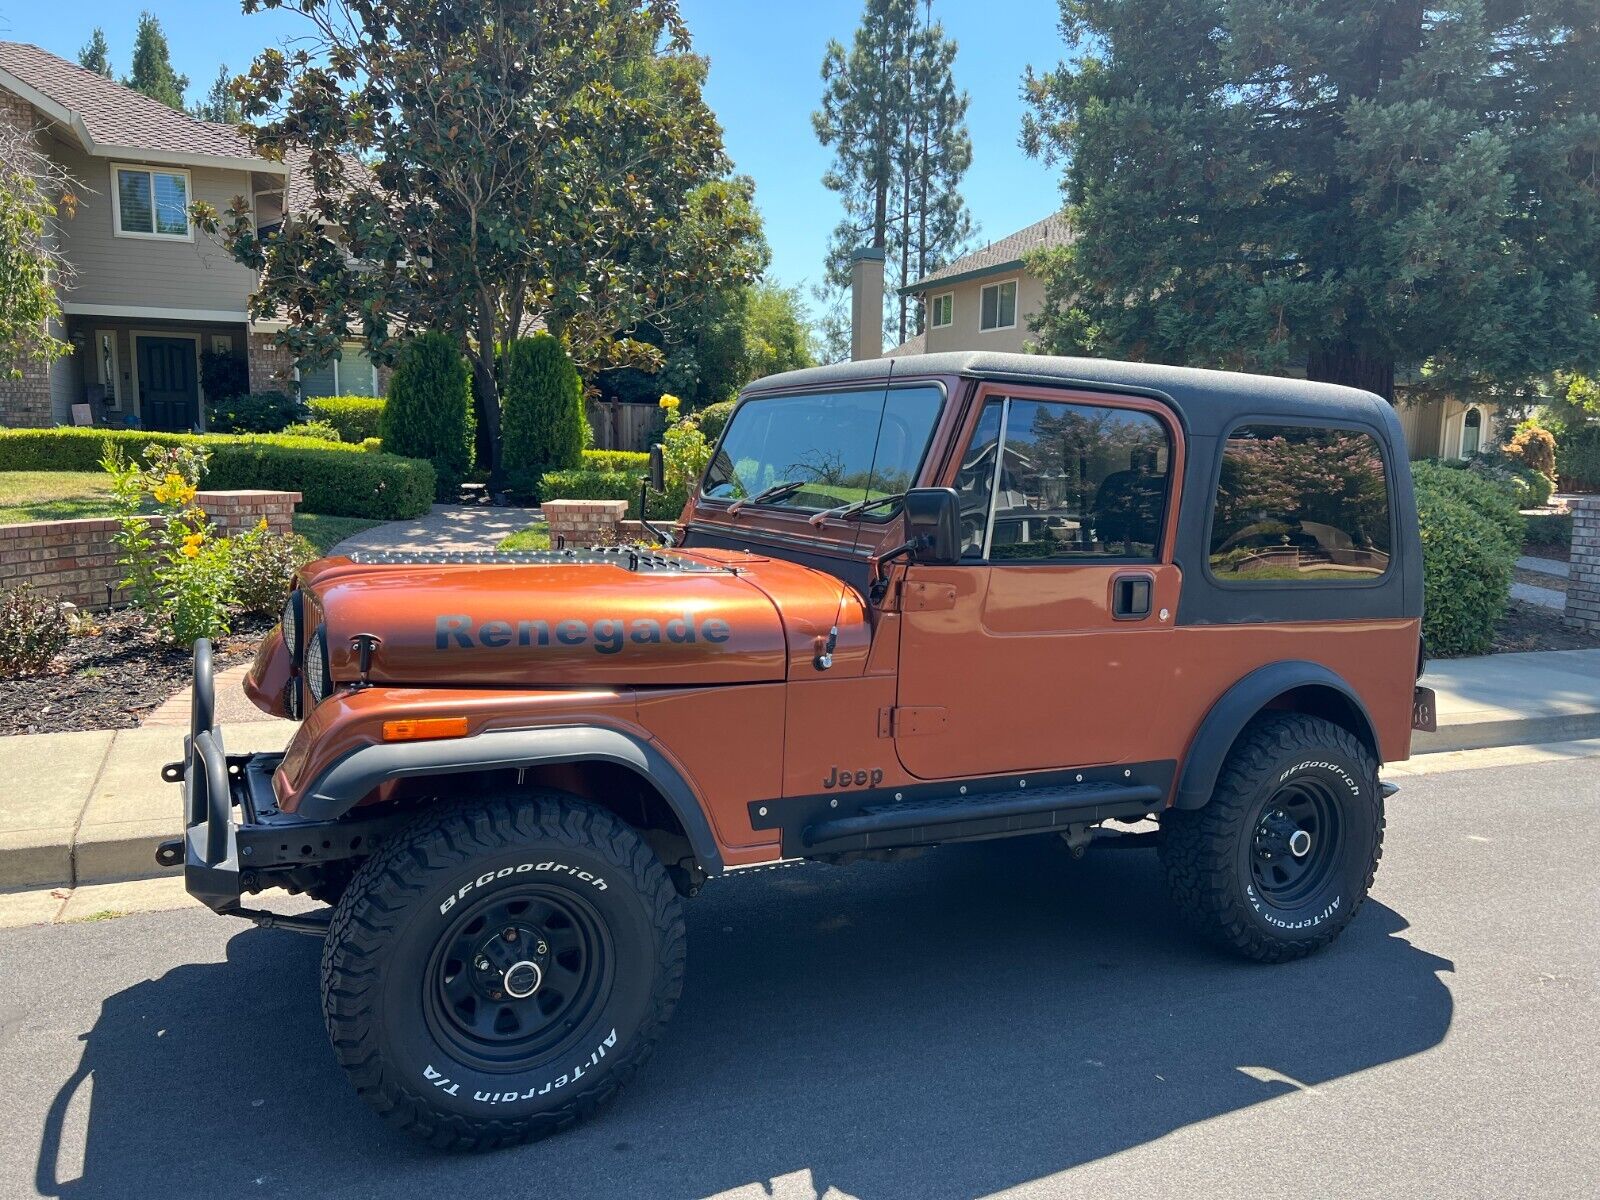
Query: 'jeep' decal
{"x": 451, "y": 631}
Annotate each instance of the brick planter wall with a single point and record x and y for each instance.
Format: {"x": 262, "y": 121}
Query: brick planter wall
{"x": 76, "y": 560}
{"x": 1583, "y": 584}
{"x": 585, "y": 522}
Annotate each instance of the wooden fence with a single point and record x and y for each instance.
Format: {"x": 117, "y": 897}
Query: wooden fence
{"x": 619, "y": 426}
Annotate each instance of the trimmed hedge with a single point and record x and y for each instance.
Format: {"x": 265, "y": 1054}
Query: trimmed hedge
{"x": 713, "y": 418}
{"x": 1548, "y": 529}
{"x": 332, "y": 477}
{"x": 355, "y": 417}
{"x": 1578, "y": 458}
{"x": 632, "y": 461}
{"x": 429, "y": 410}
{"x": 583, "y": 484}
{"x": 1466, "y": 574}
{"x": 541, "y": 411}
{"x": 1498, "y": 502}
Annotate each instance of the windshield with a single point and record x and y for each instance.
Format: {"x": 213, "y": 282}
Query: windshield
{"x": 825, "y": 442}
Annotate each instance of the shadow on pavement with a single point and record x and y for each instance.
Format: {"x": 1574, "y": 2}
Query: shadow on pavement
{"x": 972, "y": 1020}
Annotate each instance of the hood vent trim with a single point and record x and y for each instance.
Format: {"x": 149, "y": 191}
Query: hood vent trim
{"x": 627, "y": 558}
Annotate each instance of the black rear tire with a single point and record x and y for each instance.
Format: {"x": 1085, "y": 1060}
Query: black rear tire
{"x": 496, "y": 972}
{"x": 1280, "y": 860}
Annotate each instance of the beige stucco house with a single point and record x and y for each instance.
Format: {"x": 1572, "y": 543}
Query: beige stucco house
{"x": 150, "y": 292}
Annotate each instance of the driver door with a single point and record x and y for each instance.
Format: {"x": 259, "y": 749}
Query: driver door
{"x": 1049, "y": 645}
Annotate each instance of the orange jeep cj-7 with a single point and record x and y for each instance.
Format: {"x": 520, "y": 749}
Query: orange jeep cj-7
{"x": 915, "y": 601}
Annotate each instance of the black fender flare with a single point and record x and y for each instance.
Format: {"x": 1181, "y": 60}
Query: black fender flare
{"x": 354, "y": 775}
{"x": 1238, "y": 707}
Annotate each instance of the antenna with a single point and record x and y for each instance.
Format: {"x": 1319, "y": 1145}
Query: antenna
{"x": 824, "y": 659}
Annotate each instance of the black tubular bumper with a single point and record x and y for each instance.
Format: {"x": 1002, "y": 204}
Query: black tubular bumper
{"x": 223, "y": 854}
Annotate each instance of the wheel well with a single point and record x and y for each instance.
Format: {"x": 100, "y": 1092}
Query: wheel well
{"x": 1332, "y": 705}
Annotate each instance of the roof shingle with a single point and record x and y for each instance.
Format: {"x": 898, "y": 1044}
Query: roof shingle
{"x": 1007, "y": 252}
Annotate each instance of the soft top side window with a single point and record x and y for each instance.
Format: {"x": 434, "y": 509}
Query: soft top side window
{"x": 1300, "y": 504}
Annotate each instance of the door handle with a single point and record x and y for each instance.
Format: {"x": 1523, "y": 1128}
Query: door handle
{"x": 1131, "y": 597}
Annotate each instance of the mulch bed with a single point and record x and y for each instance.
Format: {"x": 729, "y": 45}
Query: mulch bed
{"x": 112, "y": 679}
{"x": 1554, "y": 583}
{"x": 1556, "y": 551}
{"x": 1529, "y": 627}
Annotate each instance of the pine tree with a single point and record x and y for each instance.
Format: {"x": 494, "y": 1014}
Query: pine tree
{"x": 152, "y": 65}
{"x": 96, "y": 55}
{"x": 1354, "y": 190}
{"x": 220, "y": 104}
{"x": 427, "y": 412}
{"x": 541, "y": 422}
{"x": 897, "y": 126}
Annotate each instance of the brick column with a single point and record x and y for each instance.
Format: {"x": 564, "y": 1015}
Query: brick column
{"x": 271, "y": 366}
{"x": 585, "y": 522}
{"x": 237, "y": 511}
{"x": 1583, "y": 585}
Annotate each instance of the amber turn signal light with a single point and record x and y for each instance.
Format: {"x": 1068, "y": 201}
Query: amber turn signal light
{"x": 423, "y": 728}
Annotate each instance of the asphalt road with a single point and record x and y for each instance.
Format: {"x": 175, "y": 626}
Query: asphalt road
{"x": 989, "y": 1018}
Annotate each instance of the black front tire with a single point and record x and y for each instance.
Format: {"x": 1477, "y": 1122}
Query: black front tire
{"x": 1291, "y": 783}
{"x": 422, "y": 997}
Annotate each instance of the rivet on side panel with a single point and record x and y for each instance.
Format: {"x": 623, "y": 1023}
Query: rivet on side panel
{"x": 1080, "y": 778}
{"x": 833, "y": 803}
{"x": 899, "y": 796}
{"x": 963, "y": 789}
{"x": 762, "y": 811}
{"x": 1022, "y": 783}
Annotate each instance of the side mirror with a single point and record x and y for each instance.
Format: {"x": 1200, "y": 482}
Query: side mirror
{"x": 933, "y": 525}
{"x": 658, "y": 469}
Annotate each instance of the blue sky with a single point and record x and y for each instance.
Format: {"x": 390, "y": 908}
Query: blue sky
{"x": 764, "y": 85}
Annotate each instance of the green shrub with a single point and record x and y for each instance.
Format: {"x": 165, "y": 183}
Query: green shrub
{"x": 429, "y": 412}
{"x": 1534, "y": 448}
{"x": 333, "y": 478}
{"x": 321, "y": 431}
{"x": 1466, "y": 572}
{"x": 224, "y": 374}
{"x": 33, "y": 630}
{"x": 541, "y": 411}
{"x": 633, "y": 461}
{"x": 263, "y": 565}
{"x": 1496, "y": 500}
{"x": 1578, "y": 458}
{"x": 1548, "y": 529}
{"x": 355, "y": 417}
{"x": 713, "y": 418}
{"x": 260, "y": 412}
{"x": 372, "y": 445}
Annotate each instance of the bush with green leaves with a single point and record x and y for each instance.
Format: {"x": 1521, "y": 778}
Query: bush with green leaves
{"x": 263, "y": 564}
{"x": 357, "y": 418}
{"x": 319, "y": 431}
{"x": 541, "y": 413}
{"x": 224, "y": 374}
{"x": 1466, "y": 573}
{"x": 333, "y": 478}
{"x": 1534, "y": 447}
{"x": 584, "y": 484}
{"x": 617, "y": 460}
{"x": 1578, "y": 458}
{"x": 1548, "y": 529}
{"x": 713, "y": 419}
{"x": 1497, "y": 500}
{"x": 33, "y": 630}
{"x": 258, "y": 412}
{"x": 429, "y": 410}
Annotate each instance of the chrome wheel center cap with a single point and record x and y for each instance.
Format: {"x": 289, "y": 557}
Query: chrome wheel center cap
{"x": 523, "y": 979}
{"x": 1299, "y": 843}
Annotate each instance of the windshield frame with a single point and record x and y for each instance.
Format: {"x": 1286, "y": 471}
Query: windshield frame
{"x": 875, "y": 517}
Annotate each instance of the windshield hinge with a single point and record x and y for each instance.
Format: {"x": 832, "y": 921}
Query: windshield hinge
{"x": 927, "y": 597}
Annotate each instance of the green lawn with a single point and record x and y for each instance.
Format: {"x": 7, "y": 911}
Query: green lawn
{"x": 535, "y": 537}
{"x": 60, "y": 495}
{"x": 53, "y": 495}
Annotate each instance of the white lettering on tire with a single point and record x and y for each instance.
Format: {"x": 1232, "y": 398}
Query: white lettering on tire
{"x": 1349, "y": 780}
{"x": 450, "y": 1087}
{"x": 1266, "y": 913}
{"x": 489, "y": 877}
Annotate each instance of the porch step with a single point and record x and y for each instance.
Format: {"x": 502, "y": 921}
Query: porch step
{"x": 957, "y": 818}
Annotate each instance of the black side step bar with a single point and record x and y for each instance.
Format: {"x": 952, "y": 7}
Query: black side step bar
{"x": 984, "y": 815}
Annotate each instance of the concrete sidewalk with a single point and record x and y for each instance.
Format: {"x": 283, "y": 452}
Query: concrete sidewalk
{"x": 89, "y": 808}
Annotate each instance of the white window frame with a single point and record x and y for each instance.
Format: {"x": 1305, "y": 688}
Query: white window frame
{"x": 1016, "y": 302}
{"x": 336, "y": 363}
{"x": 933, "y": 311}
{"x": 152, "y": 171}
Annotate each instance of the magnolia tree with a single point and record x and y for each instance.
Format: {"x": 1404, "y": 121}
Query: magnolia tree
{"x": 483, "y": 168}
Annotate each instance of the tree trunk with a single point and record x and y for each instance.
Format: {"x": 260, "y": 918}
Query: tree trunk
{"x": 1341, "y": 364}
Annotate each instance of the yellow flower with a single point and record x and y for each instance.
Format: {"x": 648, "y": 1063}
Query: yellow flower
{"x": 670, "y": 402}
{"x": 190, "y": 550}
{"x": 261, "y": 525}
{"x": 194, "y": 539}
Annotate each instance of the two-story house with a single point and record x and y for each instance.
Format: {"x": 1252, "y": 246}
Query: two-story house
{"x": 150, "y": 292}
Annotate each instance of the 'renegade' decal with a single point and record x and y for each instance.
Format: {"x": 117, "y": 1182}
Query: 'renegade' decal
{"x": 453, "y": 631}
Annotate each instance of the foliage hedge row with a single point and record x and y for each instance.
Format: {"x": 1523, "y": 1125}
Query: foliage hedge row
{"x": 713, "y": 418}
{"x": 1548, "y": 529}
{"x": 584, "y": 484}
{"x": 633, "y": 461}
{"x": 355, "y": 417}
{"x": 332, "y": 477}
{"x": 1578, "y": 457}
{"x": 1471, "y": 538}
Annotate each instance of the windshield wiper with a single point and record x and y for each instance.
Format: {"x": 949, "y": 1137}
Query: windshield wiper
{"x": 766, "y": 495}
{"x": 858, "y": 506}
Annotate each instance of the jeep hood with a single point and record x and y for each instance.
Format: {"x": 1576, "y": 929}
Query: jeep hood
{"x": 609, "y": 617}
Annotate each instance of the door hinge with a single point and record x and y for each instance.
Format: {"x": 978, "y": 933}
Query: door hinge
{"x": 911, "y": 721}
{"x": 928, "y": 597}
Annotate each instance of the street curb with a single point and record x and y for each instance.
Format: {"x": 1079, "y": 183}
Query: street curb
{"x": 1511, "y": 731}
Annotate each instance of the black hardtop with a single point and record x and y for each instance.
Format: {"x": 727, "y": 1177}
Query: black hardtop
{"x": 1208, "y": 402}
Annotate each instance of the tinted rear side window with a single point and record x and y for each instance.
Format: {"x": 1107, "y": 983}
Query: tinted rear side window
{"x": 1300, "y": 504}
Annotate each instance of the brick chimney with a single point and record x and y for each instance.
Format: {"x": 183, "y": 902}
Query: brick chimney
{"x": 866, "y": 303}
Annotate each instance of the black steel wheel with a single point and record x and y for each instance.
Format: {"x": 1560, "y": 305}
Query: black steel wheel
{"x": 1277, "y": 863}
{"x": 496, "y": 972}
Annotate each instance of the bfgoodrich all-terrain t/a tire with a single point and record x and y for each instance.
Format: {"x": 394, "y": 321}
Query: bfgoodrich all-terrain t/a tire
{"x": 496, "y": 972}
{"x": 1278, "y": 862}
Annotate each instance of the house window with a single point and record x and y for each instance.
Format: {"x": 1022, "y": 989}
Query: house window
{"x": 1472, "y": 433}
{"x": 1300, "y": 504}
{"x": 942, "y": 310}
{"x": 150, "y": 203}
{"x": 352, "y": 373}
{"x": 999, "y": 306}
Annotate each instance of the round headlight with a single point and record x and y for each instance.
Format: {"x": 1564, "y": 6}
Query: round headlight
{"x": 318, "y": 679}
{"x": 291, "y": 623}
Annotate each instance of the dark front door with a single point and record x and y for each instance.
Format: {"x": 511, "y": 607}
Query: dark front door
{"x": 169, "y": 394}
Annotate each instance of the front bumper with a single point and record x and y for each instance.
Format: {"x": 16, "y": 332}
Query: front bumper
{"x": 226, "y": 855}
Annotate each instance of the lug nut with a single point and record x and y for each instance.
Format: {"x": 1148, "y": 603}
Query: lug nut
{"x": 496, "y": 995}
{"x": 510, "y": 935}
